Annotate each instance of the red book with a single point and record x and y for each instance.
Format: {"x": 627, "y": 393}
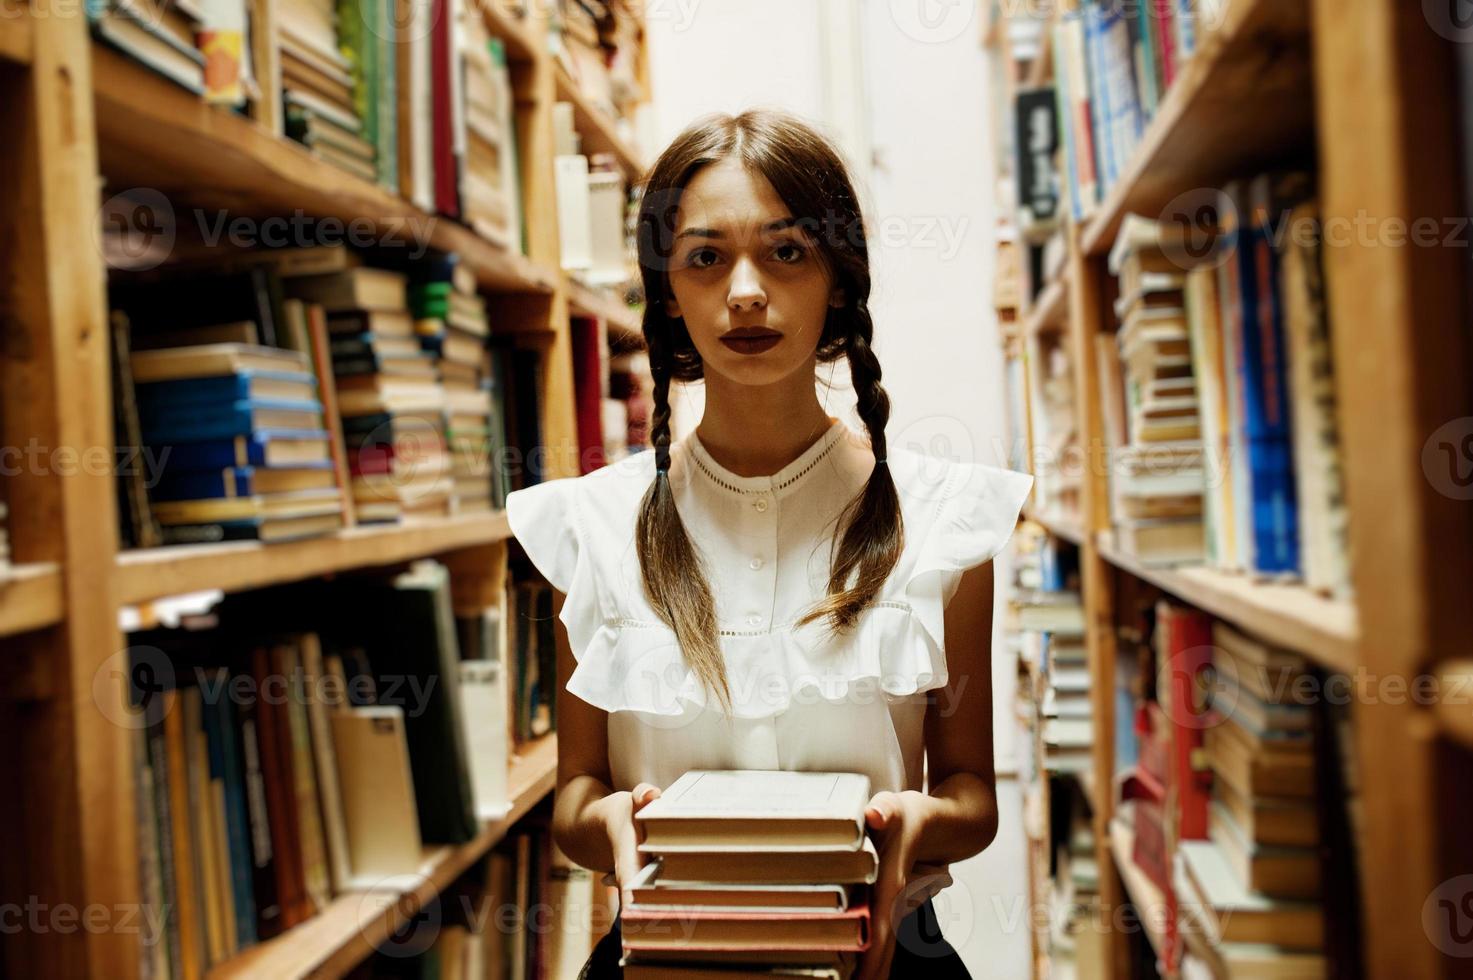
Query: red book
{"x": 1164, "y": 11}
{"x": 1184, "y": 652}
{"x": 719, "y": 930}
{"x": 443, "y": 61}
{"x": 588, "y": 392}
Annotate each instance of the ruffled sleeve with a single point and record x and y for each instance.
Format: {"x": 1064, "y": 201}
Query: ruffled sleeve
{"x": 544, "y": 520}
{"x": 977, "y": 508}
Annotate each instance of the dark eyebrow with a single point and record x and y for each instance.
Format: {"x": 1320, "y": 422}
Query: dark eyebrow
{"x": 778, "y": 225}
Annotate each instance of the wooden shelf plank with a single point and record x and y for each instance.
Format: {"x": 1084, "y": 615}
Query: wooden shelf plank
{"x": 513, "y": 30}
{"x": 595, "y": 127}
{"x": 622, "y": 321}
{"x": 30, "y": 597}
{"x": 152, "y": 133}
{"x": 1148, "y": 900}
{"x": 1289, "y": 616}
{"x": 1059, "y": 525}
{"x": 233, "y": 566}
{"x": 16, "y": 36}
{"x": 1245, "y": 100}
{"x": 1049, "y": 314}
{"x": 348, "y": 930}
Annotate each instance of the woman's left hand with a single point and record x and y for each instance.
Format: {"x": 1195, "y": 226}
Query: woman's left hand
{"x": 898, "y": 821}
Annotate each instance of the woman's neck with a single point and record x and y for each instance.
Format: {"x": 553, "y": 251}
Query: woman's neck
{"x": 756, "y": 431}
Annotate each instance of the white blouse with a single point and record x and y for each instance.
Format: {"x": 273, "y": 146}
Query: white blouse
{"x": 800, "y": 701}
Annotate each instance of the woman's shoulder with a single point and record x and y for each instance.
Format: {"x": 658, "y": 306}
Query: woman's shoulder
{"x": 939, "y": 484}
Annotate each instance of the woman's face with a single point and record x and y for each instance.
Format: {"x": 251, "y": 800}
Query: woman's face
{"x": 741, "y": 266}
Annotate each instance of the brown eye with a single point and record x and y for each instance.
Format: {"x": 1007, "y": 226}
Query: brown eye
{"x": 794, "y": 250}
{"x": 693, "y": 260}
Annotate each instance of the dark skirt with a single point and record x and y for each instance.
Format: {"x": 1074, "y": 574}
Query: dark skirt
{"x": 919, "y": 946}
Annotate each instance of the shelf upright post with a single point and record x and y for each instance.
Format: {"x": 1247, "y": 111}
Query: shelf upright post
{"x": 69, "y": 824}
{"x": 1386, "y": 90}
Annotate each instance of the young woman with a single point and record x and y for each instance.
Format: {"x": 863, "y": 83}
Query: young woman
{"x": 775, "y": 590}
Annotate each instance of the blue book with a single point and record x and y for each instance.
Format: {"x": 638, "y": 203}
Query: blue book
{"x": 1266, "y": 415}
{"x": 266, "y": 447}
{"x": 172, "y": 424}
{"x": 225, "y": 766}
{"x": 229, "y": 481}
{"x": 1099, "y": 103}
{"x": 226, "y": 388}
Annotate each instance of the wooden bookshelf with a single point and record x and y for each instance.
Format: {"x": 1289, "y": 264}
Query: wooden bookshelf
{"x": 1064, "y": 526}
{"x": 1148, "y": 899}
{"x": 598, "y": 132}
{"x": 1364, "y": 96}
{"x": 623, "y": 322}
{"x": 152, "y": 133}
{"x": 235, "y": 566}
{"x": 347, "y": 931}
{"x": 1241, "y": 102}
{"x": 16, "y": 39}
{"x": 1049, "y": 313}
{"x": 1286, "y": 615}
{"x": 77, "y": 110}
{"x": 30, "y": 597}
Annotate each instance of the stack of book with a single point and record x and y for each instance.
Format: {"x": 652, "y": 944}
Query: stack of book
{"x": 451, "y": 325}
{"x": 761, "y": 872}
{"x": 1151, "y": 406}
{"x": 239, "y": 431}
{"x": 157, "y": 34}
{"x": 389, "y": 395}
{"x": 1068, "y": 734}
{"x": 319, "y": 87}
{"x": 1253, "y": 888}
{"x": 489, "y": 176}
{"x": 1075, "y": 939}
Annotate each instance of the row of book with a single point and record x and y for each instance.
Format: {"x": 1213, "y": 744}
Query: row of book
{"x": 1113, "y": 65}
{"x": 1219, "y": 399}
{"x": 288, "y": 393}
{"x": 751, "y": 871}
{"x": 1240, "y": 798}
{"x": 292, "y": 749}
{"x": 523, "y": 913}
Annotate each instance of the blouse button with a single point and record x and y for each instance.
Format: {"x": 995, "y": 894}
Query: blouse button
{"x": 754, "y": 619}
{"x": 760, "y": 504}
{"x": 755, "y": 564}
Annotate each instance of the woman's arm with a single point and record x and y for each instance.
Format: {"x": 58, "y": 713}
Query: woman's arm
{"x": 962, "y": 802}
{"x": 958, "y": 816}
{"x": 591, "y": 823}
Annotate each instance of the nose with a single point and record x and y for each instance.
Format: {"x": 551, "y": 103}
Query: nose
{"x": 745, "y": 291}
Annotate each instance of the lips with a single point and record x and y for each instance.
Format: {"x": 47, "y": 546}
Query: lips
{"x": 751, "y": 340}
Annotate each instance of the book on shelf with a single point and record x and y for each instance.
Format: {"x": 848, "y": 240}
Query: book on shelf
{"x": 1113, "y": 66}
{"x": 235, "y": 428}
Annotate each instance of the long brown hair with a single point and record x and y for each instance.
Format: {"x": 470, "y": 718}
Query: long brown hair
{"x": 811, "y": 179}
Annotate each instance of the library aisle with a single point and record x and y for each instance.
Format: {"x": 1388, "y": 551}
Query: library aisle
{"x": 297, "y": 293}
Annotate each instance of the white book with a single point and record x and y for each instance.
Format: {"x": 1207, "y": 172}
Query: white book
{"x": 483, "y": 715}
{"x": 757, "y": 810}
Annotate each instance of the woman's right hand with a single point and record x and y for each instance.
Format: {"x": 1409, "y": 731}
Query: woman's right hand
{"x": 625, "y": 835}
